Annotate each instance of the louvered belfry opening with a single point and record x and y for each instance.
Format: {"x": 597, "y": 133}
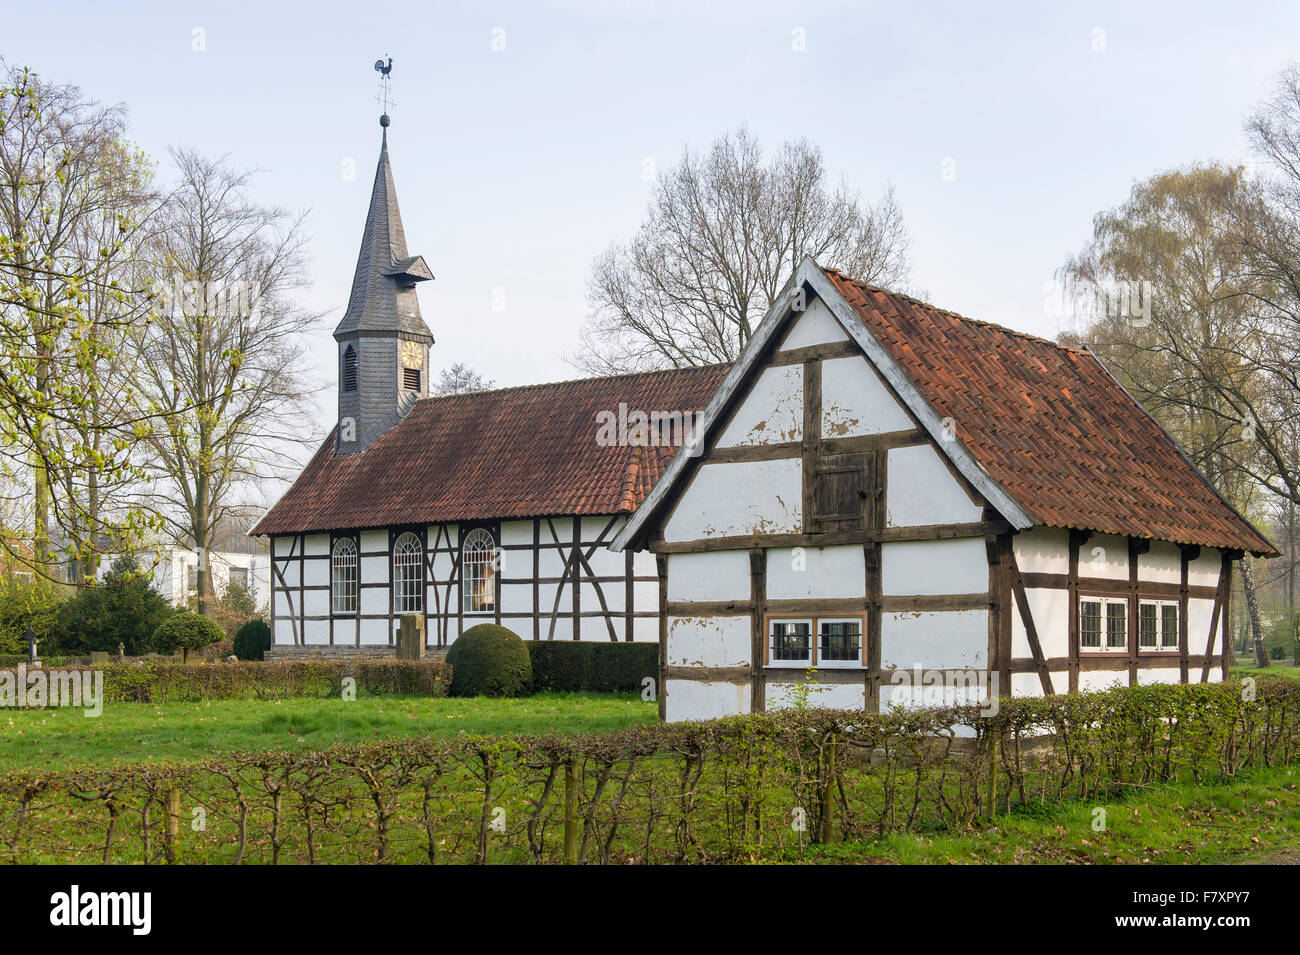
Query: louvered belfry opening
{"x": 349, "y": 369}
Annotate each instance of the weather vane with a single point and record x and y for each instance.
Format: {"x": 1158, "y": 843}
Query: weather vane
{"x": 385, "y": 97}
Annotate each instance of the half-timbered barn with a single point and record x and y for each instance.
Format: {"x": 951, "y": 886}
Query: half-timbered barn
{"x": 926, "y": 508}
{"x": 497, "y": 506}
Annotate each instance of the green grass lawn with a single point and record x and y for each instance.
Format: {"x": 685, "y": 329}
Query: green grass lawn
{"x": 1254, "y": 818}
{"x": 129, "y": 733}
{"x": 1281, "y": 668}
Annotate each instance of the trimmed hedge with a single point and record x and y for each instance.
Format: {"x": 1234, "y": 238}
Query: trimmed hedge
{"x": 489, "y": 660}
{"x": 252, "y": 640}
{"x": 276, "y": 680}
{"x": 719, "y": 791}
{"x": 575, "y": 665}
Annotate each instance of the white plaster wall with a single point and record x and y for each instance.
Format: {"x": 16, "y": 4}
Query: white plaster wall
{"x": 595, "y": 629}
{"x": 515, "y": 598}
{"x": 1027, "y": 684}
{"x": 1204, "y": 571}
{"x": 374, "y": 632}
{"x": 316, "y": 631}
{"x": 374, "y": 540}
{"x": 316, "y": 572}
{"x": 934, "y": 567}
{"x": 283, "y": 631}
{"x": 280, "y": 603}
{"x": 815, "y": 572}
{"x": 921, "y": 490}
{"x": 514, "y": 532}
{"x": 1042, "y": 550}
{"x": 1104, "y": 555}
{"x": 1162, "y": 564}
{"x": 551, "y": 562}
{"x": 816, "y": 326}
{"x": 374, "y": 570}
{"x": 316, "y": 603}
{"x": 935, "y": 639}
{"x": 708, "y": 641}
{"x": 1092, "y": 680}
{"x": 316, "y": 545}
{"x": 1051, "y": 612}
{"x": 855, "y": 401}
{"x": 1199, "y": 613}
{"x": 697, "y": 700}
{"x": 345, "y": 630}
{"x": 1158, "y": 675}
{"x": 910, "y": 695}
{"x": 772, "y": 412}
{"x": 721, "y": 575}
{"x": 374, "y": 600}
{"x": 603, "y": 562}
{"x": 835, "y": 696}
{"x": 752, "y": 497}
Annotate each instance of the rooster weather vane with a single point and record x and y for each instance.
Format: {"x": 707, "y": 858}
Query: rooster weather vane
{"x": 385, "y": 97}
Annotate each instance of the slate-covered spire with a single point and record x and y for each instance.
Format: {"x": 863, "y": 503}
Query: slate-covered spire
{"x": 383, "y": 289}
{"x": 383, "y": 342}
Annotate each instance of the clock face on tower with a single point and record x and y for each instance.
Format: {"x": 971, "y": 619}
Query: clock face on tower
{"x": 412, "y": 355}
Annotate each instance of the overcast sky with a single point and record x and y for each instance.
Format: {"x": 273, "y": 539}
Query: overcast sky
{"x": 515, "y": 167}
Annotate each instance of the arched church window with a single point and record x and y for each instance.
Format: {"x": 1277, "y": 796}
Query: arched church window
{"x": 408, "y": 575}
{"x": 478, "y": 572}
{"x": 349, "y": 369}
{"x": 343, "y": 576}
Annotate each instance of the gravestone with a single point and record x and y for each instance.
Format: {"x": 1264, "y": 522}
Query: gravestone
{"x": 410, "y": 637}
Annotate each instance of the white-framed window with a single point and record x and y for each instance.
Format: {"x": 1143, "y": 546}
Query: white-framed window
{"x": 408, "y": 575}
{"x": 825, "y": 642}
{"x": 239, "y": 575}
{"x": 192, "y": 577}
{"x": 343, "y": 576}
{"x": 1158, "y": 625}
{"x": 478, "y": 572}
{"x": 1103, "y": 624}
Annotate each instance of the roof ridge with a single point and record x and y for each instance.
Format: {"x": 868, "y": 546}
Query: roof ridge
{"x": 1028, "y": 336}
{"x": 574, "y": 381}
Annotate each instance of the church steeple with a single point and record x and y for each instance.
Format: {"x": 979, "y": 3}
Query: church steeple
{"x": 382, "y": 339}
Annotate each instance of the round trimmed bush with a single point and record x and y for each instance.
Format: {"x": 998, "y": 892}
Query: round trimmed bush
{"x": 489, "y": 660}
{"x": 252, "y": 640}
{"x": 186, "y": 631}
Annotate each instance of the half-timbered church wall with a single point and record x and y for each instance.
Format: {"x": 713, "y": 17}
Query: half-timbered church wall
{"x": 548, "y": 579}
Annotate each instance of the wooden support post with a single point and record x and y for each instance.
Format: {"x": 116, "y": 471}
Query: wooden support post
{"x": 757, "y": 631}
{"x": 875, "y": 600}
{"x": 1187, "y": 554}
{"x": 661, "y": 567}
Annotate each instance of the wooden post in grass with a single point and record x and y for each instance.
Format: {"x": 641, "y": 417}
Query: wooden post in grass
{"x": 827, "y": 828}
{"x": 571, "y": 810}
{"x": 173, "y": 821}
{"x": 993, "y": 772}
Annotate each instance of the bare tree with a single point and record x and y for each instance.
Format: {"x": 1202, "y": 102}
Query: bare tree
{"x": 1176, "y": 319}
{"x": 460, "y": 379}
{"x": 223, "y": 358}
{"x": 723, "y": 233}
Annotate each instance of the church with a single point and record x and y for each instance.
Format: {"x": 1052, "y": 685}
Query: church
{"x": 904, "y": 504}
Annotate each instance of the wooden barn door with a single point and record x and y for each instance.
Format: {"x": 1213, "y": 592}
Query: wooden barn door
{"x": 848, "y": 492}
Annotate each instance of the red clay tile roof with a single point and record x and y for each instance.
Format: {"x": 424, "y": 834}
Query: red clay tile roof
{"x": 1051, "y": 426}
{"x": 513, "y": 452}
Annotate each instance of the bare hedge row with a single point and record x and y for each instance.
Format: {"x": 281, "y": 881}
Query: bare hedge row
{"x": 149, "y": 682}
{"x": 753, "y": 786}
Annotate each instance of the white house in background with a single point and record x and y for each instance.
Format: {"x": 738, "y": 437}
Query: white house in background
{"x": 174, "y": 571}
{"x": 927, "y": 508}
